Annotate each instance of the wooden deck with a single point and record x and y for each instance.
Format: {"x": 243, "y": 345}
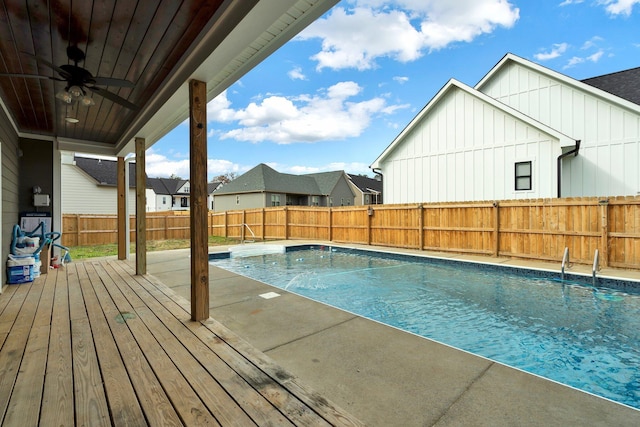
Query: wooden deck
{"x": 95, "y": 345}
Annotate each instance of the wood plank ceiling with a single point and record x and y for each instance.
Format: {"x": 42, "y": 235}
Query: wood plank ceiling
{"x": 138, "y": 41}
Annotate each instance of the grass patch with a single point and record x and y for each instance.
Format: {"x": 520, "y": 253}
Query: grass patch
{"x": 84, "y": 252}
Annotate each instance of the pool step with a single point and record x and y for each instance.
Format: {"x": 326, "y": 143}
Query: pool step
{"x": 255, "y": 250}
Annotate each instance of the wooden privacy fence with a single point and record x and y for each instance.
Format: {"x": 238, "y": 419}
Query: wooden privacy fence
{"x": 533, "y": 229}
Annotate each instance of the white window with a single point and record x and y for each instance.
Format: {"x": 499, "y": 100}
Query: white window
{"x": 315, "y": 200}
{"x": 523, "y": 176}
{"x": 164, "y": 200}
{"x": 237, "y": 200}
{"x": 275, "y": 200}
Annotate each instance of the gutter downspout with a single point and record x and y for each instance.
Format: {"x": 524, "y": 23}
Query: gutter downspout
{"x": 379, "y": 172}
{"x": 559, "y": 166}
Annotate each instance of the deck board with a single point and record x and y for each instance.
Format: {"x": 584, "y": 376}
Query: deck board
{"x": 123, "y": 403}
{"x": 94, "y": 344}
{"x": 57, "y": 399}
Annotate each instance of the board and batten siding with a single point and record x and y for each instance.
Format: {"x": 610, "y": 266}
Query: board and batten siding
{"x": 607, "y": 164}
{"x": 81, "y": 194}
{"x": 466, "y": 149}
{"x": 9, "y": 149}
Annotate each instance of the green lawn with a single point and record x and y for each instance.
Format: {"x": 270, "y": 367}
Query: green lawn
{"x": 84, "y": 252}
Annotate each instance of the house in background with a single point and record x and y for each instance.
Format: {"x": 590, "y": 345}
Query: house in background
{"x": 211, "y": 187}
{"x": 524, "y": 131}
{"x": 167, "y": 194}
{"x": 263, "y": 186}
{"x": 368, "y": 190}
{"x": 89, "y": 185}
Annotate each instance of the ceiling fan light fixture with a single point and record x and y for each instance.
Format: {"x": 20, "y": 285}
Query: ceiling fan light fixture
{"x": 71, "y": 120}
{"x": 64, "y": 96}
{"x": 75, "y": 91}
{"x": 87, "y": 101}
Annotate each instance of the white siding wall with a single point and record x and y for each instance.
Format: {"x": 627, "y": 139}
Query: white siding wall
{"x": 464, "y": 150}
{"x": 80, "y": 194}
{"x": 607, "y": 164}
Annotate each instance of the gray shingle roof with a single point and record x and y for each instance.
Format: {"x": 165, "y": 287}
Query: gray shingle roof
{"x": 211, "y": 186}
{"x": 366, "y": 184}
{"x": 104, "y": 171}
{"x": 624, "y": 84}
{"x": 326, "y": 180}
{"x": 168, "y": 186}
{"x": 262, "y": 178}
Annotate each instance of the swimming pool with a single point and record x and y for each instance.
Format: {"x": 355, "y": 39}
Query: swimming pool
{"x": 582, "y": 336}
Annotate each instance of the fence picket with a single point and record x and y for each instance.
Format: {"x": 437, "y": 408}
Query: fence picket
{"x": 530, "y": 229}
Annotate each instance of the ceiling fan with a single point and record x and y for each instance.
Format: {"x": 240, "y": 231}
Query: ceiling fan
{"x": 78, "y": 80}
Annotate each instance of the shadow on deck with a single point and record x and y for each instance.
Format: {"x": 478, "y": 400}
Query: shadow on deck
{"x": 93, "y": 344}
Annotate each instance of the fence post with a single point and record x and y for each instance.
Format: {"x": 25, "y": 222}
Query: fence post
{"x": 166, "y": 226}
{"x": 78, "y": 230}
{"x": 286, "y": 223}
{"x": 263, "y": 224}
{"x": 496, "y": 229}
{"x": 330, "y": 224}
{"x": 369, "y": 212}
{"x": 224, "y": 225}
{"x": 421, "y": 226}
{"x": 604, "y": 238}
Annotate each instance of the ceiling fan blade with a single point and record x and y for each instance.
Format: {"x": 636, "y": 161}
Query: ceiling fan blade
{"x": 43, "y": 61}
{"x": 113, "y": 97}
{"x": 108, "y": 81}
{"x": 32, "y": 76}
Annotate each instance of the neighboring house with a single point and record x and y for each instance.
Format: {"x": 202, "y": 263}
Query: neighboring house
{"x": 211, "y": 187}
{"x": 168, "y": 194}
{"x": 368, "y": 190}
{"x": 263, "y": 186}
{"x": 524, "y": 131}
{"x": 89, "y": 185}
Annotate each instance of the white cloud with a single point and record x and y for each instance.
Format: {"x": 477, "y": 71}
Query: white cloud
{"x": 329, "y": 115}
{"x": 579, "y": 60}
{"x": 591, "y": 43}
{"x": 402, "y": 29}
{"x": 160, "y": 166}
{"x": 619, "y": 7}
{"x": 401, "y": 79}
{"x": 568, "y": 2}
{"x": 352, "y": 168}
{"x": 218, "y": 109}
{"x": 557, "y": 50}
{"x": 296, "y": 74}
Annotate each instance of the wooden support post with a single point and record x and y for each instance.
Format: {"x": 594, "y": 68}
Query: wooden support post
{"x": 330, "y": 224}
{"x": 122, "y": 211}
{"x": 198, "y": 210}
{"x": 141, "y": 208}
{"x": 496, "y": 229}
{"x": 604, "y": 238}
{"x": 263, "y": 224}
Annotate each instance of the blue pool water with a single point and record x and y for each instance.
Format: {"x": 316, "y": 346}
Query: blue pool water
{"x": 582, "y": 336}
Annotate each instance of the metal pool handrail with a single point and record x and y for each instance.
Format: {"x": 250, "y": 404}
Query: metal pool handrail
{"x": 250, "y": 231}
{"x": 595, "y": 268}
{"x": 565, "y": 262}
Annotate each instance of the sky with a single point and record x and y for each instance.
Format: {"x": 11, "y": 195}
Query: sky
{"x": 336, "y": 95}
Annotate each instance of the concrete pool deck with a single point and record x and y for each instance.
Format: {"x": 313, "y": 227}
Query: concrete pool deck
{"x": 384, "y": 376}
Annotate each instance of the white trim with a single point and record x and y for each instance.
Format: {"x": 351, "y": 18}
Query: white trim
{"x": 564, "y": 140}
{"x": 510, "y": 57}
